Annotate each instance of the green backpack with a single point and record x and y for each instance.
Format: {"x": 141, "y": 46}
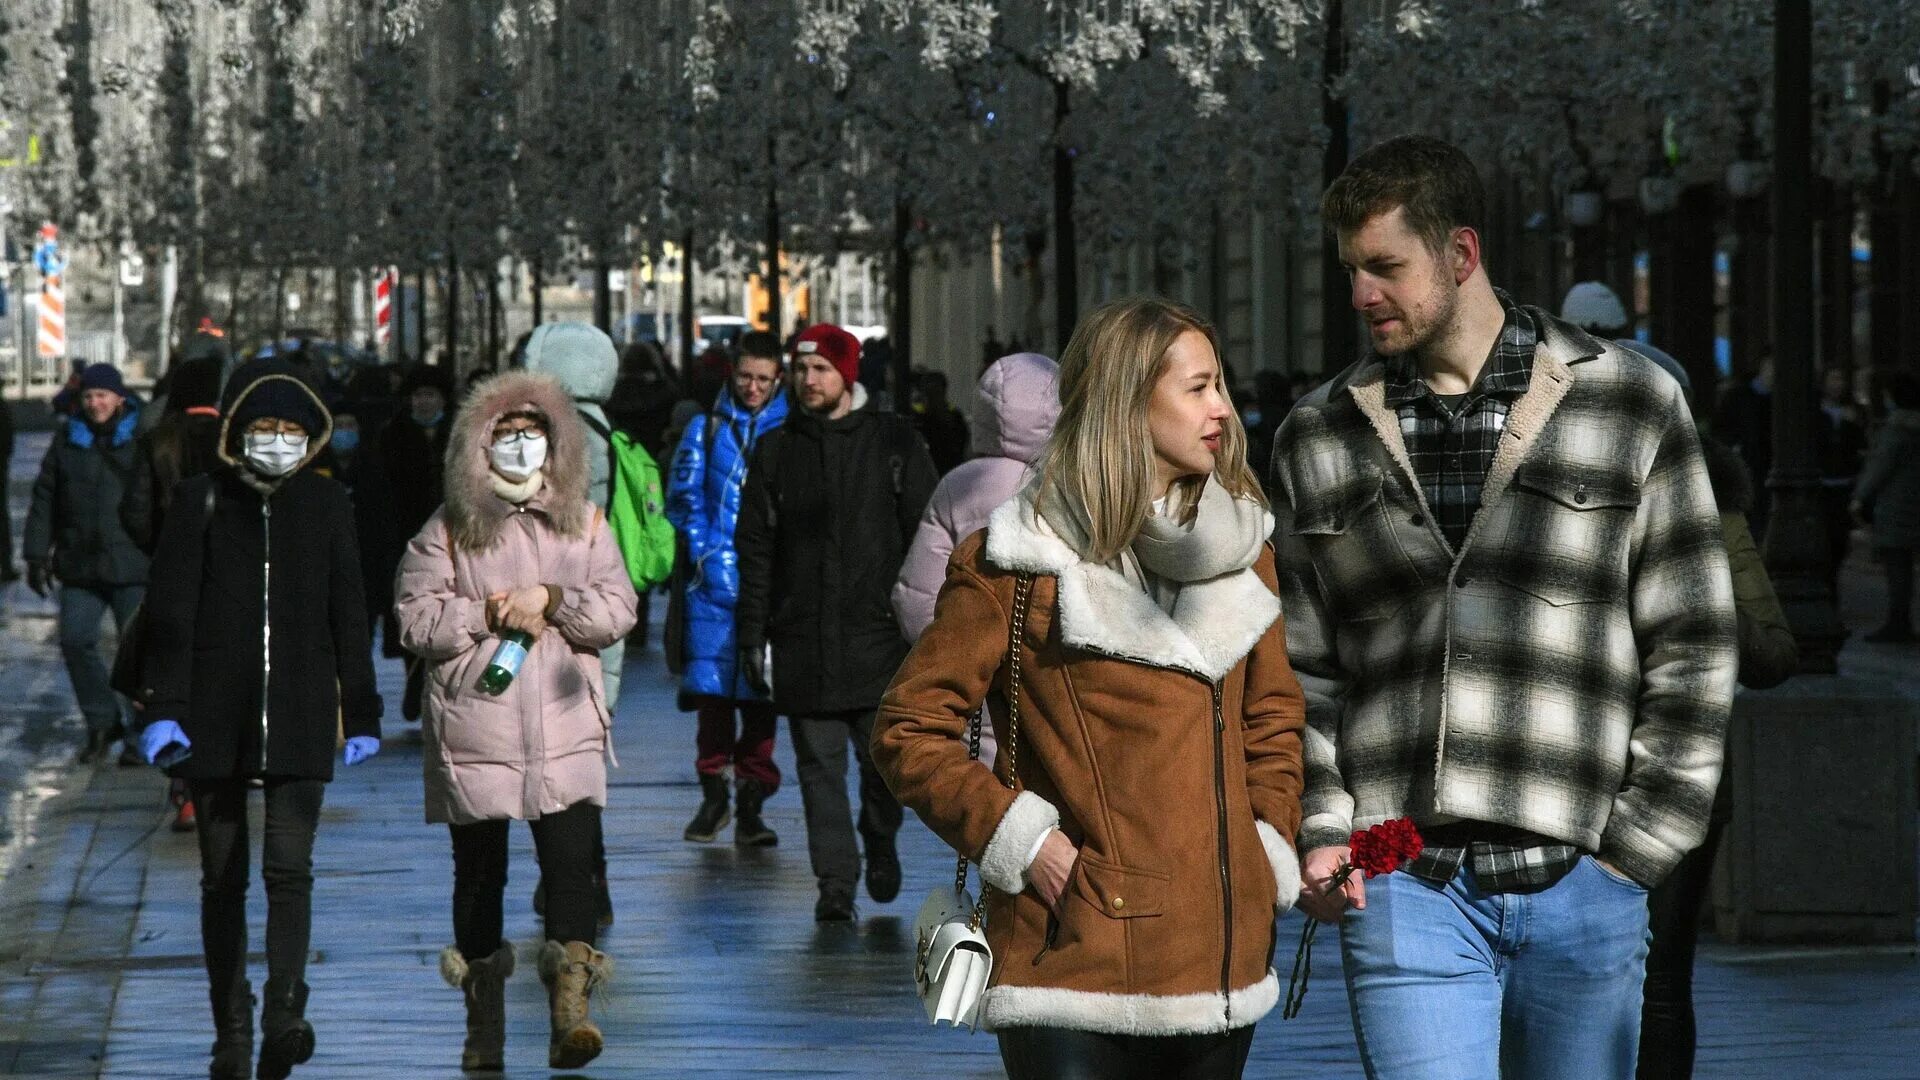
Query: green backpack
{"x": 636, "y": 508}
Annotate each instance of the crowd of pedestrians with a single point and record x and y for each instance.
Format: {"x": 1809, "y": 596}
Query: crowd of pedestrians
{"x": 1146, "y": 658}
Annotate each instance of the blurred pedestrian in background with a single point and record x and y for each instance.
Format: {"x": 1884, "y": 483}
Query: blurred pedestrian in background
{"x": 412, "y": 456}
{"x": 703, "y": 500}
{"x": 75, "y": 539}
{"x": 1887, "y": 500}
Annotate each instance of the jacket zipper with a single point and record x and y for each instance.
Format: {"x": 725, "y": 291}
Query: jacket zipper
{"x": 1226, "y": 881}
{"x": 266, "y": 620}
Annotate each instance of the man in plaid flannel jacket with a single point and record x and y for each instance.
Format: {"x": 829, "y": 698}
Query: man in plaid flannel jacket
{"x": 1508, "y": 602}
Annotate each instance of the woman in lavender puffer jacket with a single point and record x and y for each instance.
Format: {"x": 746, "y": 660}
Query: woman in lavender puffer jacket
{"x": 1015, "y": 405}
{"x": 518, "y": 547}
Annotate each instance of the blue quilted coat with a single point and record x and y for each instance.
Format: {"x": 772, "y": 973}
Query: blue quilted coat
{"x": 703, "y": 502}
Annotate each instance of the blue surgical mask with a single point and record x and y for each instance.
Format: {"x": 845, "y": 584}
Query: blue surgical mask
{"x": 346, "y": 442}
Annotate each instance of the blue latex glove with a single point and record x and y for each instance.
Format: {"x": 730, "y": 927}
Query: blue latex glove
{"x": 360, "y": 748}
{"x": 157, "y": 736}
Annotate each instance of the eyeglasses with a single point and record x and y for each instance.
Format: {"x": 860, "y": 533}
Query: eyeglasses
{"x": 516, "y": 437}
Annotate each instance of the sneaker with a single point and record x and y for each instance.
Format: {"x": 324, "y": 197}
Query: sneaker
{"x": 883, "y": 870}
{"x": 184, "y": 819}
{"x": 835, "y": 903}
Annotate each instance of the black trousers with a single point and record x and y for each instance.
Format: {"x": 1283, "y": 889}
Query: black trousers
{"x": 1043, "y": 1053}
{"x": 563, "y": 842}
{"x": 820, "y": 751}
{"x": 286, "y": 865}
{"x": 1667, "y": 1028}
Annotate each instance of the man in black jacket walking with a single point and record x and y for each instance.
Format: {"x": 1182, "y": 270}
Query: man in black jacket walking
{"x": 828, "y": 510}
{"x": 74, "y": 535}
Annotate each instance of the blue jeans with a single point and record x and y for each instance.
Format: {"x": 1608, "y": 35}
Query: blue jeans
{"x": 81, "y": 609}
{"x": 1449, "y": 983}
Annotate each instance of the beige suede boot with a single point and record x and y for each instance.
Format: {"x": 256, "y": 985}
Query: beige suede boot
{"x": 572, "y": 972}
{"x": 484, "y": 983}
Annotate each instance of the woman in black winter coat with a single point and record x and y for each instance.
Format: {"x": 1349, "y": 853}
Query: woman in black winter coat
{"x": 256, "y": 654}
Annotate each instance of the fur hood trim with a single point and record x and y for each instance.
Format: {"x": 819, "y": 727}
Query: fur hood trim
{"x": 474, "y": 513}
{"x": 1214, "y": 625}
{"x": 1129, "y": 1014}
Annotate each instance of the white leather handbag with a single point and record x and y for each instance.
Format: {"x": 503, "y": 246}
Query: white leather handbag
{"x": 951, "y": 959}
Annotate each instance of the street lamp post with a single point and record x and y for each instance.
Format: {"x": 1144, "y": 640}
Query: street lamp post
{"x": 1797, "y": 552}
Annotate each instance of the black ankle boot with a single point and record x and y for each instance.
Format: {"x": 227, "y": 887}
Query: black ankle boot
{"x": 748, "y": 829}
{"x": 286, "y": 1039}
{"x": 712, "y": 815}
{"x": 883, "y": 869}
{"x": 233, "y": 1030}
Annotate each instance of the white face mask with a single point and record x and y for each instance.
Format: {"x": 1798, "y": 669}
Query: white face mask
{"x": 518, "y": 456}
{"x": 275, "y": 454}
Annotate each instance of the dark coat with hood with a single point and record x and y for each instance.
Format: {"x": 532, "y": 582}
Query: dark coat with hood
{"x": 275, "y": 562}
{"x": 826, "y": 515}
{"x": 74, "y": 520}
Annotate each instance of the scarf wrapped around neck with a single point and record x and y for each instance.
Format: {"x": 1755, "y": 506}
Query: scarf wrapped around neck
{"x": 1224, "y": 537}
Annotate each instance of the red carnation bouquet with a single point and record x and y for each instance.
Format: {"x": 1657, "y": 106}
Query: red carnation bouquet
{"x": 1381, "y": 849}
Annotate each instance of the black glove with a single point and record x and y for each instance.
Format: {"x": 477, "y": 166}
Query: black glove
{"x": 753, "y": 668}
{"x": 38, "y": 578}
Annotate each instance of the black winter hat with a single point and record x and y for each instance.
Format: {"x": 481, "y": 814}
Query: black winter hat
{"x": 253, "y": 393}
{"x": 437, "y": 376}
{"x": 195, "y": 384}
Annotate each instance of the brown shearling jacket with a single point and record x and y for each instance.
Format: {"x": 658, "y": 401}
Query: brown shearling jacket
{"x": 1167, "y": 748}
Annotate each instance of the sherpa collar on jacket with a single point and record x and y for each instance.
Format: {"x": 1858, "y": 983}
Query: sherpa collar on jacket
{"x": 1213, "y": 626}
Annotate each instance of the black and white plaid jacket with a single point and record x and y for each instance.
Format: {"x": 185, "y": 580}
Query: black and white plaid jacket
{"x": 1569, "y": 670}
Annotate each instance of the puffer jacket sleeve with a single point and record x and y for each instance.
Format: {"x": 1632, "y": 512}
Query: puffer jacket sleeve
{"x": 925, "y": 567}
{"x": 436, "y": 622}
{"x": 1326, "y": 806}
{"x": 920, "y": 735}
{"x": 360, "y": 704}
{"x": 36, "y": 544}
{"x": 687, "y": 490}
{"x": 753, "y": 545}
{"x": 601, "y": 610}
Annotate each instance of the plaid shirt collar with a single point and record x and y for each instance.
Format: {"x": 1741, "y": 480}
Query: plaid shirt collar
{"x": 1506, "y": 375}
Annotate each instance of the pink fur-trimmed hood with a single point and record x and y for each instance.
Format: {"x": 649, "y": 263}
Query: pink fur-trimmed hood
{"x": 473, "y": 512}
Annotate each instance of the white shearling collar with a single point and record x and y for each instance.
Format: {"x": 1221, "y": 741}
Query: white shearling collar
{"x": 1214, "y": 624}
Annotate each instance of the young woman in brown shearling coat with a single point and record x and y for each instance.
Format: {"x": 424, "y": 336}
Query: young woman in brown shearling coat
{"x": 1137, "y": 871}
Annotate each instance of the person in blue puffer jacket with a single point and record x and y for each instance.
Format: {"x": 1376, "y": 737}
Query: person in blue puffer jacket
{"x": 703, "y": 502}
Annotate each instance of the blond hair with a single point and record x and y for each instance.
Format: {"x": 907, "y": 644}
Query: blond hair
{"x": 1100, "y": 458}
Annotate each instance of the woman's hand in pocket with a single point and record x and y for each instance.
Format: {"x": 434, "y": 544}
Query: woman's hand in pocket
{"x": 1052, "y": 868}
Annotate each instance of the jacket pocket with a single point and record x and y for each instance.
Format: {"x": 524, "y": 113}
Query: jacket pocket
{"x": 1362, "y": 565}
{"x": 1120, "y": 892}
{"x": 1572, "y": 535}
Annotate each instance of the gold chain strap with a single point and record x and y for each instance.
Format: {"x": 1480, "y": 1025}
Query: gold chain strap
{"x": 1022, "y": 589}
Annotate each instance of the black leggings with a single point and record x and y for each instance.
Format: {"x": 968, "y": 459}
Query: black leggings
{"x": 563, "y": 842}
{"x": 286, "y": 865}
{"x": 1044, "y": 1053}
{"x": 1667, "y": 1029}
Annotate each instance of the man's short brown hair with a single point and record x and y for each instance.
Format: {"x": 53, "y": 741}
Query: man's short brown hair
{"x": 1432, "y": 179}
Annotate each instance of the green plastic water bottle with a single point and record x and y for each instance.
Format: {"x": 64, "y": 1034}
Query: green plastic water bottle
{"x": 506, "y": 662}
